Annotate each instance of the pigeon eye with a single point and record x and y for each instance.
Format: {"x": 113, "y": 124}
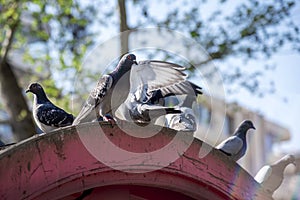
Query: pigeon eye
{"x": 129, "y": 57}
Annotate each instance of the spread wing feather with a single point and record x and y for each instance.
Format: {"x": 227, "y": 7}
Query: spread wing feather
{"x": 155, "y": 74}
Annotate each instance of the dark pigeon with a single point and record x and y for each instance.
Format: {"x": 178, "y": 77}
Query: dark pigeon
{"x": 236, "y": 145}
{"x": 46, "y": 115}
{"x": 98, "y": 104}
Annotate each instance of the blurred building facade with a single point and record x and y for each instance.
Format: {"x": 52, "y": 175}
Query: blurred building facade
{"x": 260, "y": 141}
{"x": 6, "y": 135}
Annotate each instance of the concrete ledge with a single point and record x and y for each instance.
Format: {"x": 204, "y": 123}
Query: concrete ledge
{"x": 57, "y": 165}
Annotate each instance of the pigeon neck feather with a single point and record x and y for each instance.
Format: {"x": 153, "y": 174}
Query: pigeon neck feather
{"x": 282, "y": 163}
{"x": 120, "y": 70}
{"x": 41, "y": 97}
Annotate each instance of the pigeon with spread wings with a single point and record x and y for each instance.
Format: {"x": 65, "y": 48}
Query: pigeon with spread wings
{"x": 146, "y": 81}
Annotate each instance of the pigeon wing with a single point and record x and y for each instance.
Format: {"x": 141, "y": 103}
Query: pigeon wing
{"x": 95, "y": 98}
{"x": 184, "y": 87}
{"x": 51, "y": 115}
{"x": 232, "y": 145}
{"x": 156, "y": 74}
{"x": 147, "y": 76}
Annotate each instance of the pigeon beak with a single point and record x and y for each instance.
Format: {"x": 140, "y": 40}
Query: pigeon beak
{"x": 28, "y": 90}
{"x": 294, "y": 163}
{"x": 134, "y": 61}
{"x": 253, "y": 127}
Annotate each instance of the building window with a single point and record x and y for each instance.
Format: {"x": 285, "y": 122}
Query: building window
{"x": 268, "y": 142}
{"x": 5, "y": 129}
{"x": 228, "y": 125}
{"x": 204, "y": 115}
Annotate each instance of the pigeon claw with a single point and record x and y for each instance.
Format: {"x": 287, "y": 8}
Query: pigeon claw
{"x": 110, "y": 119}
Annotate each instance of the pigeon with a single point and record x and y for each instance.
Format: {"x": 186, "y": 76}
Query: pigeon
{"x": 186, "y": 121}
{"x": 236, "y": 145}
{"x": 271, "y": 176}
{"x": 99, "y": 99}
{"x": 113, "y": 89}
{"x": 46, "y": 115}
{"x": 147, "y": 80}
{"x": 183, "y": 95}
{"x": 140, "y": 109}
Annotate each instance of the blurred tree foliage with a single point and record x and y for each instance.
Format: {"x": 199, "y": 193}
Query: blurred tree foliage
{"x": 38, "y": 39}
{"x": 249, "y": 29}
{"x": 50, "y": 38}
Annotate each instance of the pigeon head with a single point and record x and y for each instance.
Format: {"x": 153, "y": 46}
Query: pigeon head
{"x": 39, "y": 92}
{"x": 124, "y": 65}
{"x": 287, "y": 159}
{"x": 128, "y": 60}
{"x": 244, "y": 127}
{"x": 247, "y": 124}
{"x": 34, "y": 88}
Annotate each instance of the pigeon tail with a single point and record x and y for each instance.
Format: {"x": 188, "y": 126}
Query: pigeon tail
{"x": 228, "y": 154}
{"x": 146, "y": 113}
{"x": 85, "y": 115}
{"x": 156, "y": 111}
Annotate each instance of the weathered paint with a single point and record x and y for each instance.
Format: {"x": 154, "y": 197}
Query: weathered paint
{"x": 58, "y": 166}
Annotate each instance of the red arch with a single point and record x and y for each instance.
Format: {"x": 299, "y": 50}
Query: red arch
{"x": 57, "y": 165}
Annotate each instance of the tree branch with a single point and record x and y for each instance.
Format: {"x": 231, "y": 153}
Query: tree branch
{"x": 8, "y": 41}
{"x": 124, "y": 29}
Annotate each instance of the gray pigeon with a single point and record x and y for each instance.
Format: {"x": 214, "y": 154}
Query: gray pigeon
{"x": 99, "y": 100}
{"x": 139, "y": 108}
{"x": 186, "y": 121}
{"x": 236, "y": 145}
{"x": 150, "y": 81}
{"x": 46, "y": 115}
{"x": 271, "y": 176}
{"x": 183, "y": 95}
